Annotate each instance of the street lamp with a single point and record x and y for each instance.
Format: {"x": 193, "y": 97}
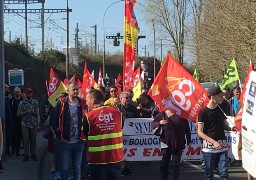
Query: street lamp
{"x": 104, "y": 41}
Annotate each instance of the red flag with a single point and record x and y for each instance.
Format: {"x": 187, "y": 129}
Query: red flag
{"x": 175, "y": 88}
{"x": 86, "y": 82}
{"x": 100, "y": 78}
{"x": 73, "y": 79}
{"x": 249, "y": 70}
{"x": 241, "y": 99}
{"x": 119, "y": 84}
{"x": 65, "y": 81}
{"x": 131, "y": 32}
{"x": 79, "y": 83}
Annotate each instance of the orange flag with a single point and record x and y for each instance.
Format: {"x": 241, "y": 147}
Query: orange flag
{"x": 65, "y": 81}
{"x": 175, "y": 88}
{"x": 100, "y": 78}
{"x": 131, "y": 32}
{"x": 119, "y": 84}
{"x": 79, "y": 83}
{"x": 56, "y": 88}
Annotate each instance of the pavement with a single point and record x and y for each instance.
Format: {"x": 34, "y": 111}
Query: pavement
{"x": 16, "y": 169}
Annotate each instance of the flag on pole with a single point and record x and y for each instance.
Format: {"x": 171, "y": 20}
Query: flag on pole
{"x": 195, "y": 75}
{"x": 136, "y": 84}
{"x": 131, "y": 32}
{"x": 100, "y": 78}
{"x": 73, "y": 79}
{"x": 175, "y": 88}
{"x": 231, "y": 75}
{"x": 92, "y": 73}
{"x": 86, "y": 82}
{"x": 56, "y": 88}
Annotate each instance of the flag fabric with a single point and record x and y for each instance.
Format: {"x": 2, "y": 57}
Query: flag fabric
{"x": 73, "y": 79}
{"x": 175, "y": 88}
{"x": 65, "y": 81}
{"x": 119, "y": 84}
{"x": 79, "y": 83}
{"x": 92, "y": 73}
{"x": 136, "y": 84}
{"x": 131, "y": 32}
{"x": 56, "y": 88}
{"x": 231, "y": 76}
{"x": 100, "y": 78}
{"x": 195, "y": 75}
{"x": 241, "y": 99}
{"x": 86, "y": 82}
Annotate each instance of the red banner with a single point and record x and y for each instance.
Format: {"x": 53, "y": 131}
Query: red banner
{"x": 175, "y": 88}
{"x": 131, "y": 32}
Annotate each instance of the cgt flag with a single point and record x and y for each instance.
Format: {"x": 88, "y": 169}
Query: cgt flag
{"x": 131, "y": 32}
{"x": 56, "y": 88}
{"x": 231, "y": 75}
{"x": 136, "y": 84}
{"x": 175, "y": 88}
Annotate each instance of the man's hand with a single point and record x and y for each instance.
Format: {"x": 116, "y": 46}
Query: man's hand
{"x": 217, "y": 145}
{"x": 234, "y": 129}
{"x": 164, "y": 122}
{"x": 63, "y": 140}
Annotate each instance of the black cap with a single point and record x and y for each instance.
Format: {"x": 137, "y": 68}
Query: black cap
{"x": 213, "y": 90}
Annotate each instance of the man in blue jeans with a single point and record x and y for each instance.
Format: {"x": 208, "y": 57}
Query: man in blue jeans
{"x": 67, "y": 122}
{"x": 211, "y": 128}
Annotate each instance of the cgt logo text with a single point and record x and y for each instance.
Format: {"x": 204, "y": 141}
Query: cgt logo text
{"x": 105, "y": 117}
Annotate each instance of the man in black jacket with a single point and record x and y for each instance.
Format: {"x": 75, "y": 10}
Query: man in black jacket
{"x": 66, "y": 120}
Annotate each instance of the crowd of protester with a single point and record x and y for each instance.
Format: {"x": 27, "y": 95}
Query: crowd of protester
{"x": 71, "y": 130}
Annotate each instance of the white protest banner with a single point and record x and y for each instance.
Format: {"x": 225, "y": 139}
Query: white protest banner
{"x": 249, "y": 127}
{"x": 142, "y": 148}
{"x": 141, "y": 145}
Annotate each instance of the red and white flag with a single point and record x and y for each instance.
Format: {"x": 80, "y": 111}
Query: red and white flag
{"x": 175, "y": 88}
{"x": 100, "y": 78}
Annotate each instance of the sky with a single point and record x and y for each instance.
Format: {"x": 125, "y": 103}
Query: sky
{"x": 86, "y": 13}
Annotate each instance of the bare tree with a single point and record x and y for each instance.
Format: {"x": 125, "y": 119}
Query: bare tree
{"x": 170, "y": 17}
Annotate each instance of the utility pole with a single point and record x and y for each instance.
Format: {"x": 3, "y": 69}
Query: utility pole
{"x": 77, "y": 38}
{"x": 67, "y": 54}
{"x": 161, "y": 50}
{"x": 2, "y": 78}
{"x": 42, "y": 24}
{"x": 145, "y": 50}
{"x": 95, "y": 38}
{"x": 10, "y": 36}
{"x": 26, "y": 23}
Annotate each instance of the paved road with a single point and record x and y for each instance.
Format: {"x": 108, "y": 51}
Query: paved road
{"x": 16, "y": 169}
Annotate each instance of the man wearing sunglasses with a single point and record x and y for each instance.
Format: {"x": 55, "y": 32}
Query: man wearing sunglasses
{"x": 114, "y": 99}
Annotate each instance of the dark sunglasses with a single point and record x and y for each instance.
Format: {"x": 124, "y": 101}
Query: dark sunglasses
{"x": 127, "y": 97}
